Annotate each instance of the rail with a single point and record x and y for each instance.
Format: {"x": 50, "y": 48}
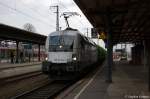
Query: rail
{"x": 45, "y": 92}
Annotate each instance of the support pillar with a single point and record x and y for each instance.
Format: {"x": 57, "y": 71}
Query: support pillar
{"x": 148, "y": 63}
{"x": 144, "y": 54}
{"x": 147, "y": 51}
{"x": 109, "y": 58}
{"x": 109, "y": 50}
{"x": 17, "y": 51}
{"x": 39, "y": 52}
{"x": 149, "y": 73}
{"x": 0, "y": 54}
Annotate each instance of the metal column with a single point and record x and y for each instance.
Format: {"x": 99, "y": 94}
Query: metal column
{"x": 148, "y": 62}
{"x": 144, "y": 54}
{"x": 149, "y": 73}
{"x": 57, "y": 16}
{"x": 17, "y": 51}
{"x": 109, "y": 50}
{"x": 39, "y": 56}
{"x": 109, "y": 57}
{"x": 0, "y": 55}
{"x": 147, "y": 46}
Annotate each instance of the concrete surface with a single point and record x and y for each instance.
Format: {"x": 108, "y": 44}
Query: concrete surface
{"x": 129, "y": 82}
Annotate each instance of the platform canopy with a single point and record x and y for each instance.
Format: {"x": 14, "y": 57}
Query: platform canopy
{"x": 128, "y": 20}
{"x": 16, "y": 34}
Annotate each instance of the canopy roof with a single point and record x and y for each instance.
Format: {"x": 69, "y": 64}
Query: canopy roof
{"x": 13, "y": 33}
{"x": 129, "y": 20}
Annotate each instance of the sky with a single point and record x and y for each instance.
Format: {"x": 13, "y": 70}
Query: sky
{"x": 41, "y": 15}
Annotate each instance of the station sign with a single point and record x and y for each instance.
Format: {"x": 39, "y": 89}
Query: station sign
{"x": 102, "y": 35}
{"x": 27, "y": 46}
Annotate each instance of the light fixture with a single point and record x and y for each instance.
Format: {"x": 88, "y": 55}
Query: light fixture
{"x": 46, "y": 58}
{"x": 74, "y": 58}
{"x": 60, "y": 46}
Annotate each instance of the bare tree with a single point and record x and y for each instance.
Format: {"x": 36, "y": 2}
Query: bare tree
{"x": 29, "y": 27}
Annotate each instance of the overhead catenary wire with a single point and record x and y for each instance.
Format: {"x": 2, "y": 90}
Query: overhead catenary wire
{"x": 38, "y": 13}
{"x": 33, "y": 9}
{"x": 25, "y": 14}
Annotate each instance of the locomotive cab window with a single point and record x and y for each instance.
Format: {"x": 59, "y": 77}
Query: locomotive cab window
{"x": 61, "y": 43}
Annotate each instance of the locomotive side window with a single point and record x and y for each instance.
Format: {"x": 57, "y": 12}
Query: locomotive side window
{"x": 61, "y": 43}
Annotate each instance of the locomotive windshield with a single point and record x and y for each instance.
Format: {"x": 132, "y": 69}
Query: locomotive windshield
{"x": 61, "y": 43}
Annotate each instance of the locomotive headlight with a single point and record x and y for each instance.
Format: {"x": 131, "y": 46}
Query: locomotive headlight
{"x": 46, "y": 58}
{"x": 74, "y": 58}
{"x": 60, "y": 46}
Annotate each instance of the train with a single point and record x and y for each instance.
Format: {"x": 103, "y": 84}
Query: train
{"x": 69, "y": 53}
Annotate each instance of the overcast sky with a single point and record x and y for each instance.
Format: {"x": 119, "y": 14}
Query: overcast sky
{"x": 40, "y": 15}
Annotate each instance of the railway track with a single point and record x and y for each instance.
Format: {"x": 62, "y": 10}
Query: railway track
{"x": 7, "y": 80}
{"x": 48, "y": 91}
{"x": 52, "y": 89}
{"x": 22, "y": 66}
{"x": 45, "y": 89}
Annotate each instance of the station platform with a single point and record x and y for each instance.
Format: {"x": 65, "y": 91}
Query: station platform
{"x": 129, "y": 82}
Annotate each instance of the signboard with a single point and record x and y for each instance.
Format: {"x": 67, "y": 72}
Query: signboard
{"x": 28, "y": 46}
{"x": 102, "y": 36}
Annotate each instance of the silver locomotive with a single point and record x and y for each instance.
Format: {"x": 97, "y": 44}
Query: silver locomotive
{"x": 68, "y": 54}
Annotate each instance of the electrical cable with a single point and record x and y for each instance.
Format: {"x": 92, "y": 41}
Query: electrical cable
{"x": 20, "y": 12}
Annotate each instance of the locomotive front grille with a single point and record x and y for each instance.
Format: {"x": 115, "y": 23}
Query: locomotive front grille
{"x": 63, "y": 67}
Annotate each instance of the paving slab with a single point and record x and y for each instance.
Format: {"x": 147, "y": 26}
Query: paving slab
{"x": 129, "y": 82}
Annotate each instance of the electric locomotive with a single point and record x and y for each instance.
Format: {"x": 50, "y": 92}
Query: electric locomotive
{"x": 68, "y": 54}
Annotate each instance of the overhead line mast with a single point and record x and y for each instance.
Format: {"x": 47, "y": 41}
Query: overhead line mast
{"x": 57, "y": 16}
